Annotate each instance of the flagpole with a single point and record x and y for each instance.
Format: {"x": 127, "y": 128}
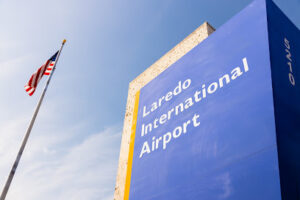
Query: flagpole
{"x": 14, "y": 167}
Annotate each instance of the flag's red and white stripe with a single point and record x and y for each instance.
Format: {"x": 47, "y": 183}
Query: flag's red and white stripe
{"x": 49, "y": 68}
{"x": 45, "y": 69}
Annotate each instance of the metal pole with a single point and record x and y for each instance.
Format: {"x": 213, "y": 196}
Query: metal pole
{"x": 14, "y": 167}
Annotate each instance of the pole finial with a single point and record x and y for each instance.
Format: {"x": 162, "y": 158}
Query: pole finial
{"x": 64, "y": 41}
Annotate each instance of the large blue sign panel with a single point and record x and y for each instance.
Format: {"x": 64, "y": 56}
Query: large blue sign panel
{"x": 206, "y": 126}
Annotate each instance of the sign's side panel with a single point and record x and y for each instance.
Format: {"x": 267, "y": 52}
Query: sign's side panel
{"x": 205, "y": 126}
{"x": 285, "y": 59}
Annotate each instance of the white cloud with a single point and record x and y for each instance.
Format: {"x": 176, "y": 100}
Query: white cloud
{"x": 86, "y": 170}
{"x": 10, "y": 67}
{"x": 225, "y": 181}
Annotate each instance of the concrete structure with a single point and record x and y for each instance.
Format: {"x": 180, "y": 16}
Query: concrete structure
{"x": 150, "y": 73}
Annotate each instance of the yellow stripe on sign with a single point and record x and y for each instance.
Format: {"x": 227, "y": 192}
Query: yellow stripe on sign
{"x": 131, "y": 146}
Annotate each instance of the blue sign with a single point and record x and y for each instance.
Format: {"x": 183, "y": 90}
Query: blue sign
{"x": 205, "y": 127}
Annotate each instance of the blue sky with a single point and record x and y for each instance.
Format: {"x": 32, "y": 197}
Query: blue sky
{"x": 74, "y": 147}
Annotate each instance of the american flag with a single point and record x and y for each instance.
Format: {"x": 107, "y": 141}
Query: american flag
{"x": 45, "y": 69}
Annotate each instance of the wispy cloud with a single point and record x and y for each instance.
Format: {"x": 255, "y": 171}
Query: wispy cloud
{"x": 225, "y": 181}
{"x": 52, "y": 168}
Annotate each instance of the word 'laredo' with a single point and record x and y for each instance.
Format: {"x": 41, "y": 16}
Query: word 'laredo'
{"x": 167, "y": 97}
